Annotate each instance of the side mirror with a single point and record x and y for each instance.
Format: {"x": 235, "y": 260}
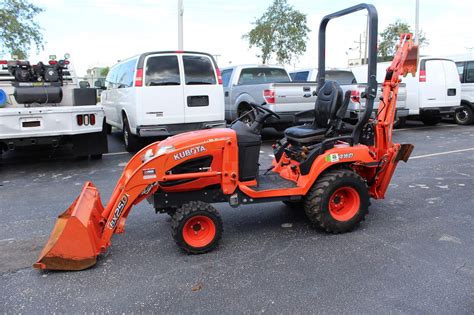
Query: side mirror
{"x": 84, "y": 84}
{"x": 99, "y": 85}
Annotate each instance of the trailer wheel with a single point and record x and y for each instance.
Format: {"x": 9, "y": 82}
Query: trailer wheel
{"x": 196, "y": 227}
{"x": 338, "y": 201}
{"x": 464, "y": 116}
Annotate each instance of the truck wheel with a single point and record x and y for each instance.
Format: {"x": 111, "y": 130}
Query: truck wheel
{"x": 196, "y": 227}
{"x": 108, "y": 128}
{"x": 464, "y": 116}
{"x": 430, "y": 120}
{"x": 338, "y": 201}
{"x": 130, "y": 140}
{"x": 247, "y": 116}
{"x": 399, "y": 122}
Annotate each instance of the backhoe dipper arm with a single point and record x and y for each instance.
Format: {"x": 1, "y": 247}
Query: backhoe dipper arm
{"x": 387, "y": 153}
{"x": 404, "y": 62}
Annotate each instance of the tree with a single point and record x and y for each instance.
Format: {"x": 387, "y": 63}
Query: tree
{"x": 104, "y": 71}
{"x": 280, "y": 31}
{"x": 391, "y": 36}
{"x": 18, "y": 29}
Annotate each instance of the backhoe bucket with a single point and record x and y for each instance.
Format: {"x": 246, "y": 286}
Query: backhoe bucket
{"x": 411, "y": 62}
{"x": 75, "y": 240}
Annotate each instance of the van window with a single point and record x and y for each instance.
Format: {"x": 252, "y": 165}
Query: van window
{"x": 263, "y": 75}
{"x": 198, "y": 70}
{"x": 111, "y": 77}
{"x": 470, "y": 72}
{"x": 126, "y": 74}
{"x": 226, "y": 74}
{"x": 162, "y": 70}
{"x": 460, "y": 66}
{"x": 301, "y": 76}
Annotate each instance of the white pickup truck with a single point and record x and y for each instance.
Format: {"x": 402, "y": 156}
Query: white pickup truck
{"x": 43, "y": 105}
{"x": 247, "y": 84}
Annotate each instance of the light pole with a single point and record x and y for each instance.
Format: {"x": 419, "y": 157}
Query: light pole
{"x": 417, "y": 21}
{"x": 180, "y": 24}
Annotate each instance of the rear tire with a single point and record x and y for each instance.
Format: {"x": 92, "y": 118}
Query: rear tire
{"x": 131, "y": 141}
{"x": 196, "y": 227}
{"x": 464, "y": 116}
{"x": 338, "y": 201}
{"x": 430, "y": 120}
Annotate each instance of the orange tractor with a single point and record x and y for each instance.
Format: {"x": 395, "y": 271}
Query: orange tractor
{"x": 323, "y": 168}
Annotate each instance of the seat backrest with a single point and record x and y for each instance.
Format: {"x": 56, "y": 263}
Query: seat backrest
{"x": 327, "y": 104}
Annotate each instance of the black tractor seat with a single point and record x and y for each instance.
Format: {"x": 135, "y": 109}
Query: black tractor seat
{"x": 329, "y": 110}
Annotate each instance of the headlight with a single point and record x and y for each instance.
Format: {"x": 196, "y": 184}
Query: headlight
{"x": 165, "y": 149}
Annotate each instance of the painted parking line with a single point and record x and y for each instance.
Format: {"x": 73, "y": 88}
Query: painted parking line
{"x": 116, "y": 153}
{"x": 425, "y": 127}
{"x": 441, "y": 153}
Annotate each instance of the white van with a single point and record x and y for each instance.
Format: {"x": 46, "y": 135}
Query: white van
{"x": 434, "y": 92}
{"x": 162, "y": 94}
{"x": 465, "y": 116}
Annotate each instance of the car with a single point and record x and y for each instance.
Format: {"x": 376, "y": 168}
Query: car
{"x": 163, "y": 93}
{"x": 465, "y": 116}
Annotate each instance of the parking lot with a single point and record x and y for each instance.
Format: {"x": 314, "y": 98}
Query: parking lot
{"x": 413, "y": 254}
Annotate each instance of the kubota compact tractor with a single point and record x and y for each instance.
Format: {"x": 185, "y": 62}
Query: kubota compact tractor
{"x": 319, "y": 167}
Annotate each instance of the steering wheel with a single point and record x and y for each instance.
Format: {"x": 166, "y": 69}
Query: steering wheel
{"x": 262, "y": 109}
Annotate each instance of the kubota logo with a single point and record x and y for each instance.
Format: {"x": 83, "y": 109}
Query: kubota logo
{"x": 118, "y": 211}
{"x": 189, "y": 152}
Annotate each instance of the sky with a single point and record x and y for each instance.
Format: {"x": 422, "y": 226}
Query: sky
{"x": 99, "y": 33}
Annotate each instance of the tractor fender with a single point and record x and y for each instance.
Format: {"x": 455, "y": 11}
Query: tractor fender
{"x": 336, "y": 158}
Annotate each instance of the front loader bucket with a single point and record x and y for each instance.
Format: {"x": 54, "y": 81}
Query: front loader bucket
{"x": 75, "y": 240}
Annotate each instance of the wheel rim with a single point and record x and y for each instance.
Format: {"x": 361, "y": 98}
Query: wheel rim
{"x": 462, "y": 115}
{"x": 344, "y": 203}
{"x": 199, "y": 231}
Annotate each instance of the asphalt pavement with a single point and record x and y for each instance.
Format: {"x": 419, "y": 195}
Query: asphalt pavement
{"x": 413, "y": 254}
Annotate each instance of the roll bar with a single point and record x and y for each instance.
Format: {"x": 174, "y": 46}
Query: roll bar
{"x": 371, "y": 90}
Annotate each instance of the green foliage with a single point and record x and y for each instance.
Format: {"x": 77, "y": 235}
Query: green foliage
{"x": 104, "y": 72}
{"x": 18, "y": 29}
{"x": 280, "y": 31}
{"x": 390, "y": 37}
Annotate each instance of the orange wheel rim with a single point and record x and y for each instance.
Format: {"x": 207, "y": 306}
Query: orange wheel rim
{"x": 199, "y": 231}
{"x": 344, "y": 203}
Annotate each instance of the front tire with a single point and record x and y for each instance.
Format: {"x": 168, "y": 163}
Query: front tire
{"x": 196, "y": 227}
{"x": 338, "y": 201}
{"x": 465, "y": 116}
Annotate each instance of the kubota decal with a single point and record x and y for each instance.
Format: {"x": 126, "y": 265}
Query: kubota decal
{"x": 149, "y": 173}
{"x": 189, "y": 152}
{"x": 336, "y": 157}
{"x": 118, "y": 211}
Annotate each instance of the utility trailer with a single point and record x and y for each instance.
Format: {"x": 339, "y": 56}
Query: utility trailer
{"x": 42, "y": 106}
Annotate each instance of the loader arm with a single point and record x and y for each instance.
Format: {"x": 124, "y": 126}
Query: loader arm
{"x": 86, "y": 228}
